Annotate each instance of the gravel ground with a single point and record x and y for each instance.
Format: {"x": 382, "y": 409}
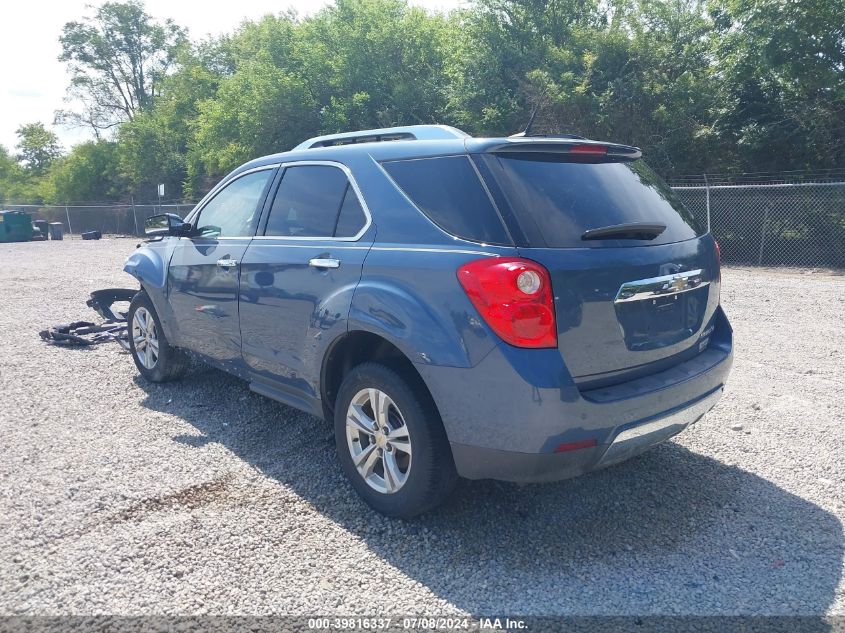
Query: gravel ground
{"x": 200, "y": 497}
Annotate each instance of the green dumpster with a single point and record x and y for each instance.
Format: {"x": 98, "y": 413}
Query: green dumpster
{"x": 15, "y": 226}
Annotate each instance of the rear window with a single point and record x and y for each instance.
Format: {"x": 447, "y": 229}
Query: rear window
{"x": 448, "y": 191}
{"x": 555, "y": 201}
{"x": 315, "y": 201}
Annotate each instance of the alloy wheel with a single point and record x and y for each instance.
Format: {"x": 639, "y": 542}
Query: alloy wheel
{"x": 145, "y": 337}
{"x": 378, "y": 440}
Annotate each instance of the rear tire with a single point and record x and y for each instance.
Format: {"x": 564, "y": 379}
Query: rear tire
{"x": 155, "y": 358}
{"x": 391, "y": 443}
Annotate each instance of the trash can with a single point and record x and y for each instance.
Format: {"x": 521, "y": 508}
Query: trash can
{"x": 43, "y": 226}
{"x": 15, "y": 226}
{"x": 56, "y": 230}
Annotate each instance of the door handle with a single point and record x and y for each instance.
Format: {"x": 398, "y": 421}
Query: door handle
{"x": 324, "y": 262}
{"x": 227, "y": 263}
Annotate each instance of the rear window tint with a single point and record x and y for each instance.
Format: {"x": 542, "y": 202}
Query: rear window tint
{"x": 448, "y": 191}
{"x": 351, "y": 218}
{"x": 556, "y": 201}
{"x": 307, "y": 202}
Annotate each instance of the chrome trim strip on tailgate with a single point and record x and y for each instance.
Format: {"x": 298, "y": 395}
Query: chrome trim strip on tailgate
{"x": 638, "y": 438}
{"x": 656, "y": 287}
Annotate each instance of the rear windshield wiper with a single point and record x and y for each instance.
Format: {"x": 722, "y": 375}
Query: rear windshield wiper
{"x": 631, "y": 231}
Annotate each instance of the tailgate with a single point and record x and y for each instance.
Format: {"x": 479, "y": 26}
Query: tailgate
{"x": 626, "y": 308}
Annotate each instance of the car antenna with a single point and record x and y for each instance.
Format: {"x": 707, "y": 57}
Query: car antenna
{"x": 527, "y": 130}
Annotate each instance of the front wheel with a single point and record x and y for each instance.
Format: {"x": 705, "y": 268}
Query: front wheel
{"x": 155, "y": 358}
{"x": 391, "y": 443}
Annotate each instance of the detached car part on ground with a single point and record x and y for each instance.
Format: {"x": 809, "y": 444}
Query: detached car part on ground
{"x": 84, "y": 333}
{"x": 525, "y": 309}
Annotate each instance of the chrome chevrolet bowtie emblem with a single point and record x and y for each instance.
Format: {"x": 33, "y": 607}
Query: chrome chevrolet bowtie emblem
{"x": 679, "y": 284}
{"x": 660, "y": 286}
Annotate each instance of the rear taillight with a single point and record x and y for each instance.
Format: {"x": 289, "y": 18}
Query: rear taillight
{"x": 514, "y": 297}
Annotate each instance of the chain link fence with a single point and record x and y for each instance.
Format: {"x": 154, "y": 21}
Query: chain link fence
{"x": 773, "y": 223}
{"x": 109, "y": 219}
{"x": 766, "y": 220}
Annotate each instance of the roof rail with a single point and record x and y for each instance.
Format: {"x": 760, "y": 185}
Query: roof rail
{"x": 405, "y": 133}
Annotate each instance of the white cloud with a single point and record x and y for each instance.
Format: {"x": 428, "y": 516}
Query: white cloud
{"x": 33, "y": 81}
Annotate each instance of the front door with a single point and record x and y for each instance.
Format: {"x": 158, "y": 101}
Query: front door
{"x": 205, "y": 268}
{"x": 299, "y": 274}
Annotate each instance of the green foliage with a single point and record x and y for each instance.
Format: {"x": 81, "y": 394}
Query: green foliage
{"x": 12, "y": 178}
{"x": 153, "y": 148}
{"x": 376, "y": 63}
{"x": 639, "y": 74}
{"x": 117, "y": 60}
{"x": 88, "y": 173}
{"x": 357, "y": 64}
{"x": 700, "y": 85}
{"x": 782, "y": 87}
{"x": 259, "y": 110}
{"x": 9, "y": 167}
{"x": 37, "y": 147}
{"x": 23, "y": 176}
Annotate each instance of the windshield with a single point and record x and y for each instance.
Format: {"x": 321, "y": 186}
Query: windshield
{"x": 555, "y": 201}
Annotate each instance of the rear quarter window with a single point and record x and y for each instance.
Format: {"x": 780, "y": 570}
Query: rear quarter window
{"x": 555, "y": 201}
{"x": 448, "y": 191}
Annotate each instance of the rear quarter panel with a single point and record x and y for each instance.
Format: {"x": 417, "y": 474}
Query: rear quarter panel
{"x": 410, "y": 295}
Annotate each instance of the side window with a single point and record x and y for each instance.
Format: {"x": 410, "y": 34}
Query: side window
{"x": 448, "y": 191}
{"x": 233, "y": 212}
{"x": 314, "y": 201}
{"x": 351, "y": 217}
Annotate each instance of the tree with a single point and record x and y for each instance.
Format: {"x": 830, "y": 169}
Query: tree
{"x": 782, "y": 81}
{"x": 10, "y": 174}
{"x": 88, "y": 173}
{"x": 261, "y": 109}
{"x": 117, "y": 60}
{"x": 636, "y": 71}
{"x": 376, "y": 63}
{"x": 16, "y": 183}
{"x": 37, "y": 147}
{"x": 505, "y": 44}
{"x": 153, "y": 147}
{"x": 700, "y": 85}
{"x": 9, "y": 167}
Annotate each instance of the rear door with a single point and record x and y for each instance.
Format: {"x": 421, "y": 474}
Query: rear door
{"x": 204, "y": 269}
{"x": 626, "y": 299}
{"x": 299, "y": 273}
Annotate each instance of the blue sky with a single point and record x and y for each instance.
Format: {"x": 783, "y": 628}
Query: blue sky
{"x": 33, "y": 81}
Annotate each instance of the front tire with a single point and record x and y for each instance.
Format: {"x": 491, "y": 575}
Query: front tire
{"x": 391, "y": 443}
{"x": 155, "y": 358}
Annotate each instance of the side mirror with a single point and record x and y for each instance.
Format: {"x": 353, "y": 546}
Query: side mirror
{"x": 166, "y": 224}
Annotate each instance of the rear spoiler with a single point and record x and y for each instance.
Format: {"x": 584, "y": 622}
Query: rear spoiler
{"x": 582, "y": 148}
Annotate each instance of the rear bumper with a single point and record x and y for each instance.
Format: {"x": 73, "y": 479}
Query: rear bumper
{"x": 634, "y": 440}
{"x": 506, "y": 416}
{"x": 474, "y": 462}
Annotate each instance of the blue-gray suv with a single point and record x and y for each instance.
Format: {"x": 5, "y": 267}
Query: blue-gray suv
{"x": 526, "y": 308}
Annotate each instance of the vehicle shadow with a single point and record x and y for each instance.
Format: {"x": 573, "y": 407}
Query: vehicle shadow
{"x": 670, "y": 532}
